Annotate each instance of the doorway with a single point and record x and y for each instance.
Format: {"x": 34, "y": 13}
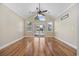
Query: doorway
{"x": 40, "y": 30}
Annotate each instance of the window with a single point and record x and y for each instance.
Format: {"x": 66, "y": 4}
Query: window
{"x": 40, "y": 17}
{"x": 29, "y": 26}
{"x": 50, "y": 26}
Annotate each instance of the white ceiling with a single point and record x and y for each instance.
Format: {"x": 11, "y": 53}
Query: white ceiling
{"x": 25, "y": 9}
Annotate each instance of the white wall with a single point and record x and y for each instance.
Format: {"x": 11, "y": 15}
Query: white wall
{"x": 78, "y": 29}
{"x": 65, "y": 30}
{"x": 11, "y": 26}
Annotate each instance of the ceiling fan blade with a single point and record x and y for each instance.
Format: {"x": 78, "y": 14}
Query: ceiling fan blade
{"x": 39, "y": 12}
{"x": 44, "y": 11}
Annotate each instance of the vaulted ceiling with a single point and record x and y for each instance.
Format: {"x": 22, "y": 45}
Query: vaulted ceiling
{"x": 25, "y": 9}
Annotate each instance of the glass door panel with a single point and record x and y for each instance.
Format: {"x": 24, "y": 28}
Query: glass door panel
{"x": 40, "y": 30}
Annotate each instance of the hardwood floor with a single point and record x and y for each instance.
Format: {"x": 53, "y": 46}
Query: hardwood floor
{"x": 59, "y": 48}
{"x": 30, "y": 46}
{"x": 14, "y": 49}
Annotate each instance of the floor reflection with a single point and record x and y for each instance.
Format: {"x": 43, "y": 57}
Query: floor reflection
{"x": 39, "y": 44}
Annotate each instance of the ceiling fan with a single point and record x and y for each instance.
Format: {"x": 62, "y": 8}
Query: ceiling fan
{"x": 39, "y": 11}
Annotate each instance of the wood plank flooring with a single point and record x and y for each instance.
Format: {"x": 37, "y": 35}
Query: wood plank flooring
{"x": 30, "y": 46}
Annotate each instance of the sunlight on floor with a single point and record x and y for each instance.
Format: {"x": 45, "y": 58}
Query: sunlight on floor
{"x": 39, "y": 44}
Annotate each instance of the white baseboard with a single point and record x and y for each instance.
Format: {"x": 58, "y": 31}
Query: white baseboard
{"x": 66, "y": 42}
{"x": 8, "y": 44}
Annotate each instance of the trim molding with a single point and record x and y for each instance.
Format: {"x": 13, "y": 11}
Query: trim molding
{"x": 8, "y": 44}
{"x": 73, "y": 46}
